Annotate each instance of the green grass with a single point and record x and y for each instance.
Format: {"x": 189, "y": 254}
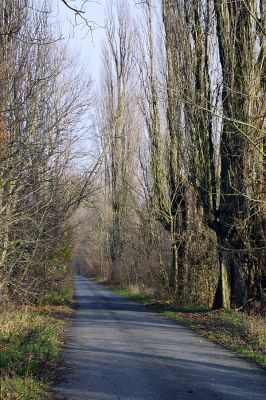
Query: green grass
{"x": 137, "y": 297}
{"x": 22, "y": 389}
{"x": 32, "y": 347}
{"x": 254, "y": 355}
{"x": 62, "y": 296}
{"x": 236, "y": 321}
{"x": 30, "y": 340}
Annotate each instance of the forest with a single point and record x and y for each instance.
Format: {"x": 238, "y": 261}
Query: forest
{"x": 175, "y": 201}
{"x": 180, "y": 208}
{"x": 153, "y": 179}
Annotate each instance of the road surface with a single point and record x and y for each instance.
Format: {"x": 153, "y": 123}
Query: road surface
{"x": 120, "y": 350}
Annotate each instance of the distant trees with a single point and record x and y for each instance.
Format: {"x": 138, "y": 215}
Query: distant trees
{"x": 118, "y": 125}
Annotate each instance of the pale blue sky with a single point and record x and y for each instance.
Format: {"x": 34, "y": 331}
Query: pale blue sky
{"x": 86, "y": 46}
{"x": 83, "y": 44}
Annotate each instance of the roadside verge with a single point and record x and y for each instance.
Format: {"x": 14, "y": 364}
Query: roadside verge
{"x": 31, "y": 339}
{"x": 237, "y": 331}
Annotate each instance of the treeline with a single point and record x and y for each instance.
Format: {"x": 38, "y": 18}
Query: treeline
{"x": 42, "y": 99}
{"x": 181, "y": 118}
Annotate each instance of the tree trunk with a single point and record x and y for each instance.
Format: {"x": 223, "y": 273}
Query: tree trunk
{"x": 222, "y": 297}
{"x": 173, "y": 279}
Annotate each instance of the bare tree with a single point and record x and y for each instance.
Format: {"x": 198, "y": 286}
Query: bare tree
{"x": 117, "y": 127}
{"x": 41, "y": 109}
{"x": 217, "y": 67}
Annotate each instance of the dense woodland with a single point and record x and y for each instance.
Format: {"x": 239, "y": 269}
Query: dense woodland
{"x": 175, "y": 202}
{"x": 181, "y": 122}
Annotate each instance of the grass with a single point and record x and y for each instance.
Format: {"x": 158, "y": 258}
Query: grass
{"x": 30, "y": 341}
{"x": 19, "y": 388}
{"x": 63, "y": 296}
{"x": 132, "y": 295}
{"x": 234, "y": 330}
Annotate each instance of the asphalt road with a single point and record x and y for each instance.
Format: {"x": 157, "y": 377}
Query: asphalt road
{"x": 119, "y": 350}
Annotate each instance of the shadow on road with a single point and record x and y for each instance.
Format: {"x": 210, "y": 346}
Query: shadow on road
{"x": 121, "y": 350}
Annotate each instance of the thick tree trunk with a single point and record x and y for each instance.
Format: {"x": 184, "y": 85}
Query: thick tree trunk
{"x": 183, "y": 283}
{"x": 173, "y": 279}
{"x": 223, "y": 293}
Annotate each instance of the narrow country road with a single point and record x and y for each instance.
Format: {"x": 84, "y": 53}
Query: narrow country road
{"x": 119, "y": 350}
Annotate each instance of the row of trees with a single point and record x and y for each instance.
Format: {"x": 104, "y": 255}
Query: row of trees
{"x": 181, "y": 203}
{"x": 179, "y": 185}
{"x": 42, "y": 99}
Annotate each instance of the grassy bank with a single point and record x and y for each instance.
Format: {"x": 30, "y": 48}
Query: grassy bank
{"x": 30, "y": 341}
{"x": 234, "y": 330}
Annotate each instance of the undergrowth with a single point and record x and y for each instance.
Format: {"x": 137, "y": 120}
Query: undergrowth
{"x": 30, "y": 339}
